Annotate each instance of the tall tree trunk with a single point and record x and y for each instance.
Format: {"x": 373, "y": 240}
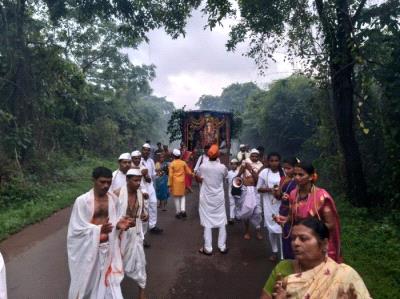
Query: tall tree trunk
{"x": 342, "y": 68}
{"x": 22, "y": 99}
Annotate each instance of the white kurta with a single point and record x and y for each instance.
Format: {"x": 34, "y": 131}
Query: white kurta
{"x": 3, "y": 281}
{"x": 271, "y": 205}
{"x": 212, "y": 196}
{"x": 95, "y": 268}
{"x": 152, "y": 206}
{"x": 132, "y": 251}
{"x": 151, "y": 167}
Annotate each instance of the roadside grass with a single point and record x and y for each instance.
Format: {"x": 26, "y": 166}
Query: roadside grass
{"x": 24, "y": 203}
{"x": 371, "y": 245}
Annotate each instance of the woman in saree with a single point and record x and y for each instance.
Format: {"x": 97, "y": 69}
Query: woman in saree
{"x": 308, "y": 200}
{"x": 287, "y": 185}
{"x": 312, "y": 274}
{"x": 161, "y": 181}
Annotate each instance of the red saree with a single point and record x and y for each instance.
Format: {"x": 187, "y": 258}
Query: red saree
{"x": 313, "y": 207}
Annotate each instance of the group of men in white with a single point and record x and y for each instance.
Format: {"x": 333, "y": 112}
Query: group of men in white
{"x": 108, "y": 224}
{"x": 107, "y": 228}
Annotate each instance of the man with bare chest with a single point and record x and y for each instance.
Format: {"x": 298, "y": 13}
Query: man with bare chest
{"x": 131, "y": 206}
{"x": 94, "y": 255}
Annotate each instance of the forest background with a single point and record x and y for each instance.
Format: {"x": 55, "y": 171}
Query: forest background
{"x": 70, "y": 100}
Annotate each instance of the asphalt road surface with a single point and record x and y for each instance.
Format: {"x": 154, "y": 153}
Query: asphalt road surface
{"x": 36, "y": 260}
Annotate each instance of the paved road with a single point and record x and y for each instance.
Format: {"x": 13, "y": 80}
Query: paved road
{"x": 36, "y": 261}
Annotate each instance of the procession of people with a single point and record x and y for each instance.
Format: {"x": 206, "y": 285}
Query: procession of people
{"x": 278, "y": 198}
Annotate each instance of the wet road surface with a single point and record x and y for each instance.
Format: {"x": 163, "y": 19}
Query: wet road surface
{"x": 36, "y": 260}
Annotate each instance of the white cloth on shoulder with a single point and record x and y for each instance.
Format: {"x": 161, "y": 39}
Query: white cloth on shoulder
{"x": 132, "y": 251}
{"x": 3, "y": 281}
{"x": 95, "y": 268}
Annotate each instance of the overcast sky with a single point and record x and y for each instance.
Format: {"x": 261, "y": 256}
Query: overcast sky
{"x": 199, "y": 64}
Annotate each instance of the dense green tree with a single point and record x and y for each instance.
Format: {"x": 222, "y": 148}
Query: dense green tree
{"x": 64, "y": 84}
{"x": 233, "y": 98}
{"x": 328, "y": 36}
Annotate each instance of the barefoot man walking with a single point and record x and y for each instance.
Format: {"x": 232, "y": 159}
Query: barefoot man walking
{"x": 94, "y": 255}
{"x": 131, "y": 205}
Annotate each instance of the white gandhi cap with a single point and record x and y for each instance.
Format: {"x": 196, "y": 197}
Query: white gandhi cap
{"x": 176, "y": 152}
{"x": 134, "y": 171}
{"x": 136, "y": 154}
{"x": 124, "y": 156}
{"x": 146, "y": 145}
{"x": 254, "y": 151}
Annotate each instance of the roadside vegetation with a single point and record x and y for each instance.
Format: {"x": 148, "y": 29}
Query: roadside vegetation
{"x": 25, "y": 201}
{"x": 371, "y": 245}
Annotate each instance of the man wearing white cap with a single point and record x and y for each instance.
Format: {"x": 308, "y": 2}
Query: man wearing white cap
{"x": 177, "y": 172}
{"x": 243, "y": 154}
{"x": 250, "y": 210}
{"x": 233, "y": 199}
{"x": 151, "y": 176}
{"x": 119, "y": 175}
{"x": 131, "y": 205}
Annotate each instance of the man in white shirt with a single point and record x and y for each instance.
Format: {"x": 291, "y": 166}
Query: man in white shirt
{"x": 149, "y": 179}
{"x": 119, "y": 175}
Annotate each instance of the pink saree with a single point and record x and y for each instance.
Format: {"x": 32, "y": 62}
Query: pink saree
{"x": 313, "y": 207}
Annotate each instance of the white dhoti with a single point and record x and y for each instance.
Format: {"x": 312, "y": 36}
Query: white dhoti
{"x": 133, "y": 256}
{"x": 96, "y": 268}
{"x": 250, "y": 206}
